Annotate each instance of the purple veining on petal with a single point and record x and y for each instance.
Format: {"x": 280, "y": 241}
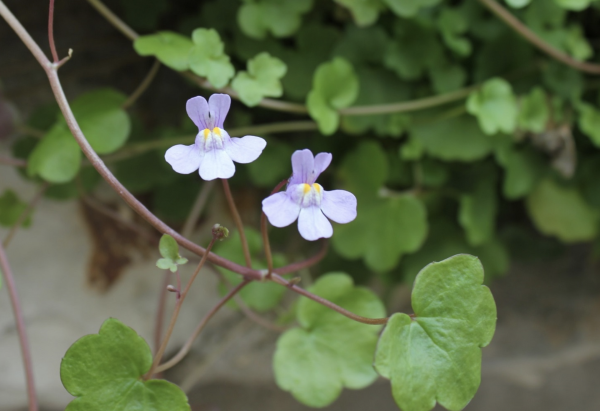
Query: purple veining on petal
{"x": 303, "y": 163}
{"x": 243, "y": 150}
{"x": 219, "y": 107}
{"x": 339, "y": 206}
{"x": 280, "y": 209}
{"x": 216, "y": 164}
{"x": 312, "y": 224}
{"x": 184, "y": 159}
{"x": 197, "y": 110}
{"x": 322, "y": 161}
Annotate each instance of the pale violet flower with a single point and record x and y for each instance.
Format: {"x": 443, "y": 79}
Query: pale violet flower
{"x": 214, "y": 151}
{"x": 306, "y": 200}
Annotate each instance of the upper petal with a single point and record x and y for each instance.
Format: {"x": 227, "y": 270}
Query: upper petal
{"x": 339, "y": 206}
{"x": 197, "y": 109}
{"x": 244, "y": 150}
{"x": 216, "y": 164}
{"x": 184, "y": 159}
{"x": 313, "y": 225}
{"x": 322, "y": 161}
{"x": 219, "y": 107}
{"x": 280, "y": 209}
{"x": 303, "y": 163}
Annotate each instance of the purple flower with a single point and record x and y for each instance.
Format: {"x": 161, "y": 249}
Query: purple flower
{"x": 214, "y": 151}
{"x": 306, "y": 200}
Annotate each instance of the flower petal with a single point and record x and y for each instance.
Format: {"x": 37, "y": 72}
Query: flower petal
{"x": 303, "y": 163}
{"x": 184, "y": 159}
{"x": 216, "y": 164}
{"x": 280, "y": 209}
{"x": 313, "y": 225}
{"x": 244, "y": 150}
{"x": 219, "y": 107}
{"x": 322, "y": 161}
{"x": 197, "y": 109}
{"x": 339, "y": 206}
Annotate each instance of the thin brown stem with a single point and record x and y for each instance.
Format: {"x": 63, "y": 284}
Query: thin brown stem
{"x": 15, "y": 162}
{"x": 25, "y": 214}
{"x": 197, "y": 208}
{"x": 188, "y": 345}
{"x": 160, "y": 311}
{"x": 51, "y": 32}
{"x": 143, "y": 85}
{"x": 114, "y": 20}
{"x": 266, "y": 243}
{"x": 165, "y": 341}
{"x": 529, "y": 35}
{"x": 238, "y": 222}
{"x": 9, "y": 281}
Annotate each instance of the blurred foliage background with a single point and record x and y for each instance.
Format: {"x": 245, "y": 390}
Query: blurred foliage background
{"x": 455, "y": 133}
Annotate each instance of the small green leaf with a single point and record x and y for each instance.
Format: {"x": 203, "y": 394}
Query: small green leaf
{"x": 436, "y": 356}
{"x": 524, "y": 168}
{"x": 207, "y": 58}
{"x": 257, "y": 18}
{"x": 329, "y": 351}
{"x": 171, "y": 48}
{"x": 453, "y": 25}
{"x": 364, "y": 12}
{"x": 104, "y": 123}
{"x": 165, "y": 264}
{"x": 335, "y": 86}
{"x": 589, "y": 122}
{"x": 575, "y": 5}
{"x": 263, "y": 79}
{"x": 11, "y": 208}
{"x": 477, "y": 213}
{"x": 57, "y": 157}
{"x": 104, "y": 371}
{"x": 562, "y": 212}
{"x": 534, "y": 111}
{"x": 517, "y": 4}
{"x": 495, "y": 107}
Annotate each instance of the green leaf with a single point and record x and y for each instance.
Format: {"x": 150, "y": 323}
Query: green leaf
{"x": 335, "y": 86}
{"x": 495, "y": 107}
{"x": 143, "y": 14}
{"x": 534, "y": 112}
{"x": 364, "y": 12}
{"x": 453, "y": 139}
{"x": 453, "y": 25}
{"x": 11, "y": 208}
{"x": 565, "y": 81}
{"x": 446, "y": 77}
{"x": 104, "y": 371}
{"x": 104, "y": 123}
{"x": 166, "y": 264}
{"x": 517, "y": 4}
{"x": 364, "y": 170}
{"x": 329, "y": 351}
{"x": 436, "y": 356}
{"x": 263, "y": 79}
{"x": 589, "y": 122}
{"x": 171, "y": 48}
{"x": 168, "y": 247}
{"x": 57, "y": 157}
{"x": 524, "y": 168}
{"x": 575, "y": 5}
{"x": 576, "y": 43}
{"x": 562, "y": 212}
{"x": 273, "y": 165}
{"x": 383, "y": 231}
{"x": 477, "y": 213}
{"x": 207, "y": 58}
{"x": 257, "y": 18}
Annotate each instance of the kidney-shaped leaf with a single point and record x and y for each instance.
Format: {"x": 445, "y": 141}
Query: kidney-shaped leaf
{"x": 329, "y": 351}
{"x": 436, "y": 356}
{"x": 104, "y": 372}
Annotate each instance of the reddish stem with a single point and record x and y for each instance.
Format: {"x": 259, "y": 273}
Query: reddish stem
{"x": 51, "y": 32}
{"x": 18, "y": 313}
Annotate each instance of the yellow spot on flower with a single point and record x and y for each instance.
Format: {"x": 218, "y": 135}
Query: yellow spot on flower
{"x": 306, "y": 188}
{"x": 206, "y": 133}
{"x": 217, "y": 131}
{"x": 317, "y": 187}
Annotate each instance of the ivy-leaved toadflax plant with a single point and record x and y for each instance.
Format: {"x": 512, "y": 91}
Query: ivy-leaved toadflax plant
{"x": 214, "y": 151}
{"x": 306, "y": 200}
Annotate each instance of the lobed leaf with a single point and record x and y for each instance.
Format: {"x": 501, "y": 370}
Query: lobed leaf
{"x": 207, "y": 57}
{"x": 495, "y": 107}
{"x": 263, "y": 79}
{"x": 436, "y": 356}
{"x": 171, "y": 48}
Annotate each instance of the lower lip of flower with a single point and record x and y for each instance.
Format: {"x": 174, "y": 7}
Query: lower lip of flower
{"x": 311, "y": 194}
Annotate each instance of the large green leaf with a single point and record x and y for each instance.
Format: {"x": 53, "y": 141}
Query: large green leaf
{"x": 57, "y": 157}
{"x": 335, "y": 86}
{"x": 172, "y": 49}
{"x": 562, "y": 212}
{"x": 207, "y": 58}
{"x": 104, "y": 371}
{"x": 329, "y": 351}
{"x": 436, "y": 356}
